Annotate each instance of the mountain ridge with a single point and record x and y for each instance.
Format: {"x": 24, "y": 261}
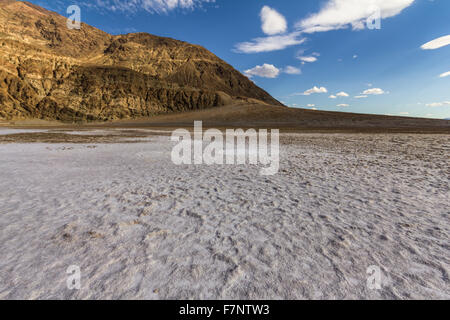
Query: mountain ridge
{"x": 48, "y": 71}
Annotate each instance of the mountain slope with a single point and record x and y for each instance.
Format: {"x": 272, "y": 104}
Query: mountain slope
{"x": 48, "y": 71}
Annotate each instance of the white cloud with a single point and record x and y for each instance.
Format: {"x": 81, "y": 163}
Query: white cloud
{"x": 373, "y": 91}
{"x": 307, "y": 58}
{"x": 438, "y": 104}
{"x": 339, "y": 14}
{"x": 274, "y": 25}
{"x": 342, "y": 94}
{"x": 437, "y": 43}
{"x": 310, "y": 59}
{"x": 343, "y": 105}
{"x": 403, "y": 113}
{"x": 355, "y": 56}
{"x": 292, "y": 70}
{"x": 315, "y": 90}
{"x": 272, "y": 22}
{"x": 361, "y": 97}
{"x": 310, "y": 105}
{"x": 267, "y": 44}
{"x": 152, "y": 6}
{"x": 445, "y": 74}
{"x": 264, "y": 71}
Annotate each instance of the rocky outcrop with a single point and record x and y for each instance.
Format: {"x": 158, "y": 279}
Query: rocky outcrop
{"x": 48, "y": 71}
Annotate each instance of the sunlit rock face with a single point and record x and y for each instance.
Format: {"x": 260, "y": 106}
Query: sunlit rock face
{"x": 49, "y": 71}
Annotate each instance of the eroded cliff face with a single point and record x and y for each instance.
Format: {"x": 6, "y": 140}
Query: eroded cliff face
{"x": 48, "y": 71}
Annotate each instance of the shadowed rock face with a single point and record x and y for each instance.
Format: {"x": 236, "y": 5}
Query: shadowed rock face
{"x": 48, "y": 71}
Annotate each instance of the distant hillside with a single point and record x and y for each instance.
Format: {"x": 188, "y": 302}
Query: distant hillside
{"x": 50, "y": 72}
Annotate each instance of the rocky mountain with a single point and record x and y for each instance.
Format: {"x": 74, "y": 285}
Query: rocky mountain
{"x": 48, "y": 71}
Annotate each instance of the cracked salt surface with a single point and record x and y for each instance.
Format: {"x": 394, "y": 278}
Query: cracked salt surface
{"x": 140, "y": 227}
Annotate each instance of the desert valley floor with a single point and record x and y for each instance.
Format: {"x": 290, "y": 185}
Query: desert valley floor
{"x": 139, "y": 227}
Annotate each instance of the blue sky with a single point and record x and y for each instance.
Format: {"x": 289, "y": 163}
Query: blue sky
{"x": 326, "y": 54}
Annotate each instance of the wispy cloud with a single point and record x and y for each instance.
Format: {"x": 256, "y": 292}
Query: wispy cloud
{"x": 292, "y": 70}
{"x": 438, "y": 104}
{"x": 436, "y": 43}
{"x": 340, "y": 14}
{"x": 152, "y": 6}
{"x": 445, "y": 74}
{"x": 272, "y": 43}
{"x": 307, "y": 59}
{"x": 274, "y": 25}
